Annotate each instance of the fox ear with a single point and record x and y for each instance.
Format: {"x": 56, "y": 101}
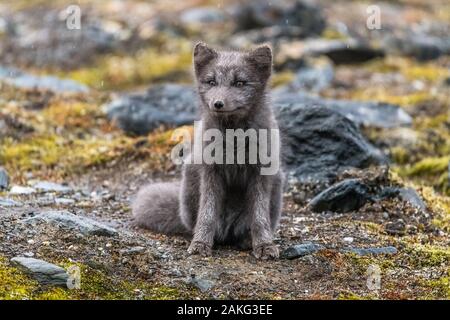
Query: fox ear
{"x": 202, "y": 56}
{"x": 261, "y": 57}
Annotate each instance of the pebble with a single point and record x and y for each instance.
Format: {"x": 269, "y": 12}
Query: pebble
{"x": 19, "y": 190}
{"x": 47, "y": 186}
{"x": 374, "y": 250}
{"x": 300, "y": 250}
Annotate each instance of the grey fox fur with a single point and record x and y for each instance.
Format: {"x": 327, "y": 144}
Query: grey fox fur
{"x": 222, "y": 203}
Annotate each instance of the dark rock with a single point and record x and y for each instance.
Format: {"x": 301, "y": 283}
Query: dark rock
{"x": 68, "y": 220}
{"x": 345, "y": 196}
{"x": 396, "y": 228}
{"x": 370, "y": 114}
{"x": 45, "y": 273}
{"x": 273, "y": 35}
{"x": 4, "y": 179}
{"x": 420, "y": 46}
{"x": 314, "y": 77}
{"x": 320, "y": 143}
{"x": 340, "y": 51}
{"x": 167, "y": 104}
{"x": 11, "y": 126}
{"x": 372, "y": 251}
{"x": 406, "y": 194}
{"x": 300, "y": 250}
{"x": 21, "y": 79}
{"x": 259, "y": 14}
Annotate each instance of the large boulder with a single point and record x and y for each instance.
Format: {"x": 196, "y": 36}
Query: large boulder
{"x": 320, "y": 143}
{"x": 166, "y": 104}
{"x": 299, "y": 13}
{"x": 420, "y": 46}
{"x": 340, "y": 51}
{"x": 370, "y": 114}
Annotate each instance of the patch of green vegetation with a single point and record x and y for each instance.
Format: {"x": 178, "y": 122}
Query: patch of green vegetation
{"x": 399, "y": 155}
{"x": 440, "y": 287}
{"x": 409, "y": 68}
{"x": 13, "y": 283}
{"x": 382, "y": 94}
{"x": 432, "y": 170}
{"x": 332, "y": 34}
{"x": 146, "y": 66}
{"x": 66, "y": 155}
{"x": 94, "y": 284}
{"x": 348, "y": 295}
{"x": 422, "y": 256}
{"x": 282, "y": 78}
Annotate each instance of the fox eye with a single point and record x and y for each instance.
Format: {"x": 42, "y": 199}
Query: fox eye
{"x": 239, "y": 83}
{"x": 212, "y": 83}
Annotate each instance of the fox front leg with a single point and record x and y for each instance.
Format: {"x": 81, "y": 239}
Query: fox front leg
{"x": 211, "y": 195}
{"x": 259, "y": 205}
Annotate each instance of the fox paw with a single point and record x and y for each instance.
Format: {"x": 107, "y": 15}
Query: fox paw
{"x": 200, "y": 248}
{"x": 267, "y": 251}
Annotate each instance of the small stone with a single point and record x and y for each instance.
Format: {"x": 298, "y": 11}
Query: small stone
{"x": 397, "y": 228}
{"x": 133, "y": 250}
{"x": 64, "y": 201}
{"x": 345, "y": 196}
{"x": 202, "y": 284}
{"x": 68, "y": 220}
{"x": 4, "y": 179}
{"x": 44, "y": 272}
{"x": 19, "y": 190}
{"x": 300, "y": 250}
{"x": 369, "y": 251}
{"x": 46, "y": 186}
{"x": 24, "y": 80}
{"x": 348, "y": 239}
{"x": 9, "y": 203}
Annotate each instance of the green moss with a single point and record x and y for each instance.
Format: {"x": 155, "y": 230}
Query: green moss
{"x": 429, "y": 166}
{"x": 61, "y": 155}
{"x": 146, "y": 66}
{"x": 409, "y": 68}
{"x": 13, "y": 283}
{"x": 282, "y": 78}
{"x": 440, "y": 287}
{"x": 422, "y": 256}
{"x": 332, "y": 34}
{"x": 349, "y": 296}
{"x": 399, "y": 155}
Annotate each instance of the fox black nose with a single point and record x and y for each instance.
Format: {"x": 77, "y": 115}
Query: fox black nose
{"x": 218, "y": 104}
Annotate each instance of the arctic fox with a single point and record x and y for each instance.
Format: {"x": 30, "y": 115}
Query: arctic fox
{"x": 231, "y": 204}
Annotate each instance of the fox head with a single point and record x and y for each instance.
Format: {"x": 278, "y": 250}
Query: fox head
{"x": 231, "y": 83}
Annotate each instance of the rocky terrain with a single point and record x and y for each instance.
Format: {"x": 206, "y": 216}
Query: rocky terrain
{"x": 86, "y": 118}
